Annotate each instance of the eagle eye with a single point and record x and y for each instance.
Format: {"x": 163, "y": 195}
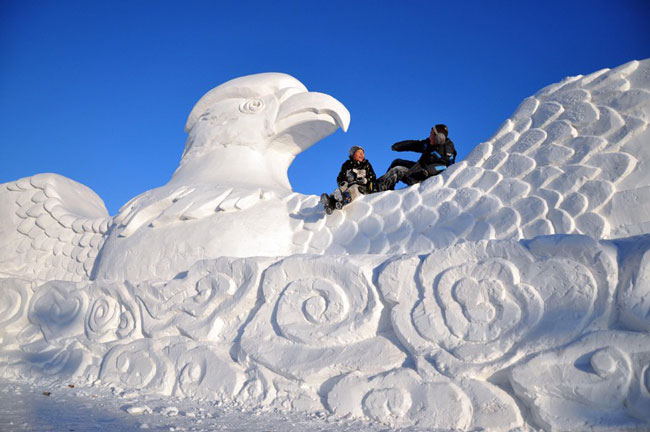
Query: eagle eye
{"x": 252, "y": 106}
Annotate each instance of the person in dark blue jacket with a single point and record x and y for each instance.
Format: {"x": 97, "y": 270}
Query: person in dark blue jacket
{"x": 438, "y": 152}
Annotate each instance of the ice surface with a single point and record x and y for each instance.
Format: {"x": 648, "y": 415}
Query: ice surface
{"x": 510, "y": 292}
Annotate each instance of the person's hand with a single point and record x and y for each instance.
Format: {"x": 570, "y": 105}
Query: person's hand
{"x": 343, "y": 184}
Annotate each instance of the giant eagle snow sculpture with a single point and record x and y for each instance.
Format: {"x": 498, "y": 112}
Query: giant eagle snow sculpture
{"x": 442, "y": 306}
{"x": 572, "y": 159}
{"x": 54, "y": 228}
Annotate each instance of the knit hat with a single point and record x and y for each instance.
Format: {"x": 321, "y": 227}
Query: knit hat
{"x": 354, "y": 149}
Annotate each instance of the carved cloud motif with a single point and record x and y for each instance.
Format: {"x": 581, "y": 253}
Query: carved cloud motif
{"x": 477, "y": 307}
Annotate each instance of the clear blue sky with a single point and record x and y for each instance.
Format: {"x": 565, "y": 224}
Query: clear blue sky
{"x": 99, "y": 91}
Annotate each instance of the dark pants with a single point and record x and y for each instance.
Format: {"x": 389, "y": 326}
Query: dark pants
{"x": 400, "y": 170}
{"x": 401, "y": 162}
{"x": 414, "y": 175}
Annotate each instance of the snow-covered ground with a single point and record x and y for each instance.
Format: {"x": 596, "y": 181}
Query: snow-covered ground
{"x": 510, "y": 292}
{"x": 57, "y": 407}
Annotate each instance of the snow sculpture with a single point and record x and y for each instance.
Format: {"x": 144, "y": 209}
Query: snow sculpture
{"x": 210, "y": 302}
{"x": 634, "y": 292}
{"x": 402, "y": 398}
{"x": 52, "y": 228}
{"x": 477, "y": 307}
{"x": 209, "y": 208}
{"x": 317, "y": 322}
{"x": 510, "y": 292}
{"x": 600, "y": 381}
{"x": 571, "y": 160}
{"x": 14, "y": 298}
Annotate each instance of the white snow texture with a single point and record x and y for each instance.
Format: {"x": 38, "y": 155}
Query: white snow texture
{"x": 511, "y": 291}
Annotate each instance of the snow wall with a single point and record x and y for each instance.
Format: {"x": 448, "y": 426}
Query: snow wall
{"x": 551, "y": 331}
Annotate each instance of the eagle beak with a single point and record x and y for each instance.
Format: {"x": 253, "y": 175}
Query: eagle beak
{"x": 305, "y": 118}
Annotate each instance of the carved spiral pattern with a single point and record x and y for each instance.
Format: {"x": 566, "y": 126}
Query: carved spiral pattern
{"x": 140, "y": 364}
{"x": 29, "y": 334}
{"x": 69, "y": 362}
{"x": 478, "y": 306}
{"x": 204, "y": 372}
{"x": 59, "y": 308}
{"x": 252, "y": 106}
{"x": 538, "y": 312}
{"x": 128, "y": 322}
{"x": 209, "y": 302}
{"x": 103, "y": 319}
{"x": 315, "y": 316}
{"x": 317, "y": 311}
{"x": 112, "y": 314}
{"x": 477, "y": 317}
{"x": 318, "y": 308}
{"x": 386, "y": 404}
{"x": 401, "y": 397}
{"x": 258, "y": 389}
{"x": 599, "y": 378}
{"x": 209, "y": 292}
{"x": 14, "y": 295}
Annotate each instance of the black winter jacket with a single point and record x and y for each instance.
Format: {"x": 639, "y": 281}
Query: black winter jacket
{"x": 361, "y": 169}
{"x": 432, "y": 155}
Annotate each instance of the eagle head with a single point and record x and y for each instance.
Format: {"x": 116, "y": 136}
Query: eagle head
{"x": 247, "y": 131}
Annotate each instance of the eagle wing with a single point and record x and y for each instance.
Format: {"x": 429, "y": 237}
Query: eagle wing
{"x": 51, "y": 228}
{"x": 163, "y": 206}
{"x": 573, "y": 159}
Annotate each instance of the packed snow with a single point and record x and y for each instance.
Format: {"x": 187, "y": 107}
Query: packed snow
{"x": 66, "y": 407}
{"x": 511, "y": 292}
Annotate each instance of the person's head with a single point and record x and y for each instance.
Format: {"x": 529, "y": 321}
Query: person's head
{"x": 357, "y": 154}
{"x": 438, "y": 134}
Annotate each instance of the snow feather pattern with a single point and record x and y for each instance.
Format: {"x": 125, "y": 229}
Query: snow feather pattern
{"x": 55, "y": 227}
{"x": 571, "y": 160}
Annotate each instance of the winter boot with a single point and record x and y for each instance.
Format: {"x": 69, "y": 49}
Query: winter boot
{"x": 337, "y": 195}
{"x": 326, "y": 201}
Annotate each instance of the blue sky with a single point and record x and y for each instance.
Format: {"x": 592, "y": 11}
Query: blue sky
{"x": 100, "y": 91}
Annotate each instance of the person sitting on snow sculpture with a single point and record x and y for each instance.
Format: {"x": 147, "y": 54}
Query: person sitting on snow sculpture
{"x": 437, "y": 151}
{"x": 355, "y": 178}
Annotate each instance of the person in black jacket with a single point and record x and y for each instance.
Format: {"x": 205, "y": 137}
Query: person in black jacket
{"x": 437, "y": 151}
{"x": 355, "y": 178}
